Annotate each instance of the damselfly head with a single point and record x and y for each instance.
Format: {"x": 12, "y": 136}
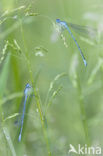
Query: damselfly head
{"x": 28, "y": 89}
{"x": 61, "y": 24}
{"x": 28, "y": 85}
{"x": 58, "y": 20}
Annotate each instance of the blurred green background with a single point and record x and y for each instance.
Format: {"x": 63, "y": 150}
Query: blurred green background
{"x": 32, "y": 51}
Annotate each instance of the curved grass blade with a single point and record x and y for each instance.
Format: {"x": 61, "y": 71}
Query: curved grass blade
{"x": 9, "y": 141}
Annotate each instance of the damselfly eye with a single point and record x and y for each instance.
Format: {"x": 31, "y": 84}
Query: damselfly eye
{"x": 28, "y": 85}
{"x": 58, "y": 20}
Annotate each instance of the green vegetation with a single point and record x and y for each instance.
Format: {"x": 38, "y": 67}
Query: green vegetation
{"x": 67, "y": 104}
